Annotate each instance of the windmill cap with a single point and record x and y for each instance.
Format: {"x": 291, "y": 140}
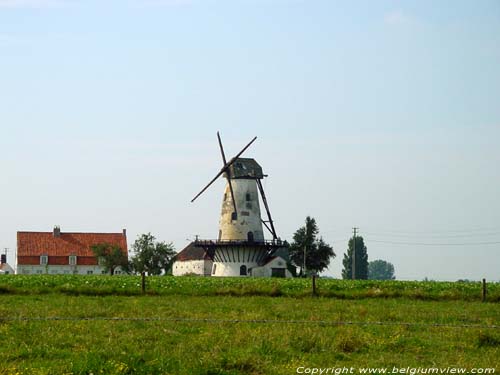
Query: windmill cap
{"x": 245, "y": 168}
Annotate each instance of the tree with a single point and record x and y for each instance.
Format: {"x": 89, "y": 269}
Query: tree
{"x": 110, "y": 256}
{"x": 380, "y": 270}
{"x": 151, "y": 256}
{"x": 318, "y": 252}
{"x": 361, "y": 260}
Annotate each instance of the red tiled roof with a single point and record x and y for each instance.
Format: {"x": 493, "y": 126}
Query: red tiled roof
{"x": 79, "y": 244}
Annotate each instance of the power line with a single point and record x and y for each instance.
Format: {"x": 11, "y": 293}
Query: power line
{"x": 251, "y": 321}
{"x": 394, "y": 234}
{"x": 435, "y": 244}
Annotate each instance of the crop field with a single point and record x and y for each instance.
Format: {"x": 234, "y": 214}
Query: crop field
{"x": 101, "y": 325}
{"x": 211, "y": 286}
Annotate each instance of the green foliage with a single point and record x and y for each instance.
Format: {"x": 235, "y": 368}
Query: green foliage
{"x": 318, "y": 252}
{"x": 110, "y": 256}
{"x": 380, "y": 270}
{"x": 361, "y": 260}
{"x": 150, "y": 256}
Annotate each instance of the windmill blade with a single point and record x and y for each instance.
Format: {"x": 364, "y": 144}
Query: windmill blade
{"x": 221, "y": 149}
{"x": 210, "y": 183}
{"x": 241, "y": 152}
{"x": 227, "y": 172}
{"x": 270, "y": 221}
{"x": 225, "y": 168}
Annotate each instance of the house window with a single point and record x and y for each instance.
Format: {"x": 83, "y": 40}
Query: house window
{"x": 100, "y": 261}
{"x": 72, "y": 260}
{"x": 90, "y": 272}
{"x": 243, "y": 270}
{"x": 44, "y": 259}
{"x": 39, "y": 271}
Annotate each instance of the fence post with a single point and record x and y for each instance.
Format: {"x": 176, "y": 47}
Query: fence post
{"x": 143, "y": 276}
{"x": 484, "y": 291}
{"x": 314, "y": 283}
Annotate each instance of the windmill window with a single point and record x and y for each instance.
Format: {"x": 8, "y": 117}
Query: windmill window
{"x": 249, "y": 205}
{"x": 234, "y": 216}
{"x": 243, "y": 270}
{"x": 220, "y": 234}
{"x": 248, "y": 198}
{"x": 225, "y": 197}
{"x": 213, "y": 269}
{"x": 245, "y": 213}
{"x": 250, "y": 236}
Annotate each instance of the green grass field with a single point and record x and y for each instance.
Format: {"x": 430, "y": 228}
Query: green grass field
{"x": 200, "y": 331}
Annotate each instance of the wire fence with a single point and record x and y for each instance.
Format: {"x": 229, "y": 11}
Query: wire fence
{"x": 248, "y": 321}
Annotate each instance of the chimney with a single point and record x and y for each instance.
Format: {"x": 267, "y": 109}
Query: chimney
{"x": 124, "y": 233}
{"x": 3, "y": 259}
{"x": 57, "y": 231}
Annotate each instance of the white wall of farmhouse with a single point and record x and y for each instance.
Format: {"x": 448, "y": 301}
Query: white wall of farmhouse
{"x": 248, "y": 215}
{"x": 63, "y": 270}
{"x": 197, "y": 267}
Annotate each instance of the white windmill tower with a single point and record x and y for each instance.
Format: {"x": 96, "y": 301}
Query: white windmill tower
{"x": 240, "y": 246}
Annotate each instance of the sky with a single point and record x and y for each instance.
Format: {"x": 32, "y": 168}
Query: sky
{"x": 381, "y": 115}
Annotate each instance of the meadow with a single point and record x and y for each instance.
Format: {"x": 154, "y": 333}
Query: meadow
{"x": 102, "y": 325}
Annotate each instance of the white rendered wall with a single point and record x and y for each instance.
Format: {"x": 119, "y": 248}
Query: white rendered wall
{"x": 266, "y": 270}
{"x": 224, "y": 269}
{"x": 198, "y": 267}
{"x": 62, "y": 270}
{"x": 248, "y": 218}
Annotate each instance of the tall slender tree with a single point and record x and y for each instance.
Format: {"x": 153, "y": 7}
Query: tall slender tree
{"x": 361, "y": 260}
{"x": 317, "y": 252}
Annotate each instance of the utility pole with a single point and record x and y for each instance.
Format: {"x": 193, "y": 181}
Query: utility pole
{"x": 354, "y": 254}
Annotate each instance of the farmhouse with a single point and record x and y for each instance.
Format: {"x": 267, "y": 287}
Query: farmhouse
{"x": 63, "y": 253}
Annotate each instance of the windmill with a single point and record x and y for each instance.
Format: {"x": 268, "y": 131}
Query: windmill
{"x": 240, "y": 245}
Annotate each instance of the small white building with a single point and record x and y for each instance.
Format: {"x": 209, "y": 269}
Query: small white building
{"x": 192, "y": 260}
{"x": 274, "y": 267}
{"x": 5, "y": 268}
